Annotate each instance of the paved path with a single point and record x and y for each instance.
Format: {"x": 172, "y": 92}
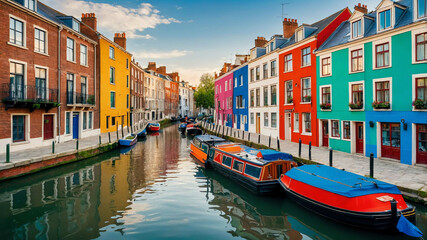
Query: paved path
{"x": 404, "y": 176}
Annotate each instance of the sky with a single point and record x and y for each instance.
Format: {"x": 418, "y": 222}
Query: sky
{"x": 194, "y": 37}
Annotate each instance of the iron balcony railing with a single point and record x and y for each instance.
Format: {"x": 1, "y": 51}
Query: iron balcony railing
{"x": 80, "y": 98}
{"x": 25, "y": 93}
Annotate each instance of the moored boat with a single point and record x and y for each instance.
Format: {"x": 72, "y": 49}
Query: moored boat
{"x": 153, "y": 127}
{"x": 182, "y": 127}
{"x": 128, "y": 140}
{"x": 347, "y": 197}
{"x": 257, "y": 170}
{"x": 201, "y": 145}
{"x": 193, "y": 129}
{"x": 143, "y": 133}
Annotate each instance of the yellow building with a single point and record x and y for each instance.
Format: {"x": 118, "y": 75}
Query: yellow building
{"x": 114, "y": 83}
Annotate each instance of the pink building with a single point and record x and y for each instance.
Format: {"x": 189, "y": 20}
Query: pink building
{"x": 224, "y": 96}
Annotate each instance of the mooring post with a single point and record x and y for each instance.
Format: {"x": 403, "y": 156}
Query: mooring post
{"x": 249, "y": 137}
{"x": 53, "y": 146}
{"x": 238, "y": 134}
{"x": 371, "y": 165}
{"x": 77, "y": 145}
{"x": 278, "y": 144}
{"x": 299, "y": 148}
{"x": 259, "y": 138}
{"x": 269, "y": 141}
{"x": 330, "y": 157}
{"x": 99, "y": 139}
{"x": 123, "y": 134}
{"x": 243, "y": 135}
{"x": 117, "y": 134}
{"x": 109, "y": 137}
{"x": 309, "y": 150}
{"x": 8, "y": 153}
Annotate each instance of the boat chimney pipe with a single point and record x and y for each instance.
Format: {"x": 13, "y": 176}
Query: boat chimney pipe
{"x": 393, "y": 204}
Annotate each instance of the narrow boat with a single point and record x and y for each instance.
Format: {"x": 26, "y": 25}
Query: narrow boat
{"x": 257, "y": 170}
{"x": 153, "y": 127}
{"x": 201, "y": 145}
{"x": 193, "y": 129}
{"x": 182, "y": 127}
{"x": 346, "y": 197}
{"x": 143, "y": 133}
{"x": 128, "y": 140}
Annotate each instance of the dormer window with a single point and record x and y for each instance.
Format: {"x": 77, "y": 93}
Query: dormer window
{"x": 384, "y": 19}
{"x": 272, "y": 46}
{"x": 299, "y": 35}
{"x": 30, "y": 4}
{"x": 422, "y": 8}
{"x": 356, "y": 29}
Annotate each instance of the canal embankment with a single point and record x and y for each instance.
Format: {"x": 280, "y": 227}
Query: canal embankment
{"x": 411, "y": 180}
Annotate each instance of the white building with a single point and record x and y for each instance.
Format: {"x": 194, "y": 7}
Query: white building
{"x": 184, "y": 106}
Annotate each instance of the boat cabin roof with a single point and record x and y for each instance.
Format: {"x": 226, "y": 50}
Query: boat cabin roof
{"x": 209, "y": 139}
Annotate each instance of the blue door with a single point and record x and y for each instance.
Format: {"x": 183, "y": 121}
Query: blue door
{"x": 75, "y": 126}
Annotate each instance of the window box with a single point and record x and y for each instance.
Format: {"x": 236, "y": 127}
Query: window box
{"x": 325, "y": 106}
{"x": 306, "y": 99}
{"x": 419, "y": 104}
{"x": 290, "y": 100}
{"x": 357, "y": 105}
{"x": 381, "y": 105}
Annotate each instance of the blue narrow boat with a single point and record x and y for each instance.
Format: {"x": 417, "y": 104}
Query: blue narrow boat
{"x": 128, "y": 140}
{"x": 143, "y": 133}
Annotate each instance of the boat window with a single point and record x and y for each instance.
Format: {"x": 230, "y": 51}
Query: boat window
{"x": 226, "y": 161}
{"x": 205, "y": 148}
{"x": 252, "y": 171}
{"x": 196, "y": 142}
{"x": 238, "y": 165}
{"x": 279, "y": 170}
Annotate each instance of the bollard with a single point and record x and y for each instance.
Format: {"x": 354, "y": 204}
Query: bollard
{"x": 371, "y": 165}
{"x": 309, "y": 150}
{"x": 227, "y": 132}
{"x": 99, "y": 139}
{"x": 278, "y": 144}
{"x": 299, "y": 148}
{"x": 53, "y": 146}
{"x": 259, "y": 138}
{"x": 123, "y": 134}
{"x": 223, "y": 131}
{"x": 8, "y": 153}
{"x": 243, "y": 135}
{"x": 117, "y": 135}
{"x": 77, "y": 145}
{"x": 109, "y": 137}
{"x": 249, "y": 137}
{"x": 238, "y": 134}
{"x": 269, "y": 141}
{"x": 330, "y": 157}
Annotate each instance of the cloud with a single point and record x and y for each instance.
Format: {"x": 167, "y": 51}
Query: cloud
{"x": 178, "y": 7}
{"x": 161, "y": 55}
{"x": 115, "y": 18}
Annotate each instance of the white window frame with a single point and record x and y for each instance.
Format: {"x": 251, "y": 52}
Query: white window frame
{"x": 286, "y": 93}
{"x": 301, "y": 89}
{"x": 74, "y": 50}
{"x": 392, "y": 18}
{"x": 328, "y": 55}
{"x": 350, "y": 97}
{"x": 115, "y": 100}
{"x": 416, "y": 12}
{"x": 47, "y": 78}
{"x": 374, "y": 81}
{"x": 330, "y": 129}
{"x": 24, "y": 32}
{"x": 342, "y": 130}
{"x": 241, "y": 79}
{"x": 374, "y": 56}
{"x": 87, "y": 57}
{"x": 295, "y": 123}
{"x": 414, "y": 33}
{"x": 70, "y": 123}
{"x": 114, "y": 53}
{"x": 235, "y": 82}
{"x": 252, "y": 115}
{"x": 46, "y": 42}
{"x": 415, "y": 76}
{"x": 362, "y": 28}
{"x": 292, "y": 63}
{"x": 297, "y": 33}
{"x": 27, "y": 128}
{"x": 321, "y": 95}
{"x": 351, "y": 49}
{"x": 303, "y": 124}
{"x": 271, "y": 120}
{"x": 25, "y": 72}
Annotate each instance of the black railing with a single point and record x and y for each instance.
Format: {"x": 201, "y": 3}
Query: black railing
{"x": 26, "y": 93}
{"x": 80, "y": 98}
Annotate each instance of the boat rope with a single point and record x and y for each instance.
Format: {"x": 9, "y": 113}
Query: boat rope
{"x": 330, "y": 179}
{"x": 366, "y": 180}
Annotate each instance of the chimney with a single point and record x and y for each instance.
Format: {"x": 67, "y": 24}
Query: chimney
{"x": 216, "y": 75}
{"x": 89, "y": 19}
{"x": 289, "y": 27}
{"x": 152, "y": 66}
{"x": 120, "y": 39}
{"x": 361, "y": 8}
{"x": 260, "y": 42}
{"x": 174, "y": 76}
{"x": 161, "y": 70}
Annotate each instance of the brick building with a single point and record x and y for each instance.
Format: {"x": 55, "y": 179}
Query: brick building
{"x": 137, "y": 104}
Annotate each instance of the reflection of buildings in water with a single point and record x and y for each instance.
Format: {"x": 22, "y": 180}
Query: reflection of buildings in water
{"x": 32, "y": 211}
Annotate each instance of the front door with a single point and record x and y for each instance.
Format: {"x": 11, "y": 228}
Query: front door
{"x": 359, "y": 137}
{"x": 242, "y": 122}
{"x": 325, "y": 134}
{"x": 75, "y": 125}
{"x": 258, "y": 123}
{"x": 422, "y": 143}
{"x": 288, "y": 126}
{"x": 390, "y": 140}
{"x": 48, "y": 127}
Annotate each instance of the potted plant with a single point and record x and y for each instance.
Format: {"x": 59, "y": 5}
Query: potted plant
{"x": 357, "y": 105}
{"x": 325, "y": 106}
{"x": 307, "y": 99}
{"x": 290, "y": 100}
{"x": 419, "y": 104}
{"x": 380, "y": 105}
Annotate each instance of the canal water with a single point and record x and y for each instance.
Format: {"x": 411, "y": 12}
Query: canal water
{"x": 156, "y": 191}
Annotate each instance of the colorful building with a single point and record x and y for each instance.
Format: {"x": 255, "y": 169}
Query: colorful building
{"x": 137, "y": 105}
{"x": 373, "y": 73}
{"x": 298, "y": 95}
{"x": 240, "y": 96}
{"x": 174, "y": 93}
{"x": 224, "y": 97}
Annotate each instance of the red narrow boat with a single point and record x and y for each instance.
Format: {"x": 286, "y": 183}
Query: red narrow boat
{"x": 153, "y": 127}
{"x": 346, "y": 197}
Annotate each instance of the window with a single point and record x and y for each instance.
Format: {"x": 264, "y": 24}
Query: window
{"x": 107, "y": 121}
{"x": 264, "y": 71}
{"x": 83, "y": 88}
{"x": 238, "y": 165}
{"x": 422, "y": 8}
{"x": 16, "y": 32}
{"x": 257, "y": 73}
{"x": 112, "y": 75}
{"x": 326, "y": 66}
{"x": 112, "y": 53}
{"x": 326, "y": 95}
{"x": 252, "y": 118}
{"x": 296, "y": 122}
{"x": 274, "y": 120}
{"x": 265, "y": 96}
{"x": 90, "y": 120}
{"x": 273, "y": 98}
{"x": 357, "y": 94}
{"x": 306, "y": 90}
{"x": 84, "y": 120}
{"x": 18, "y": 128}
{"x": 252, "y": 98}
{"x": 67, "y": 122}
{"x": 230, "y": 84}
{"x": 299, "y": 36}
{"x": 40, "y": 74}
{"x": 357, "y": 60}
{"x": 288, "y": 92}
{"x": 382, "y": 53}
{"x": 252, "y": 75}
{"x": 356, "y": 29}
{"x": 382, "y": 91}
{"x": 273, "y": 68}
{"x": 335, "y": 128}
{"x": 127, "y": 81}
{"x": 226, "y": 85}
{"x": 385, "y": 21}
{"x": 226, "y": 161}
{"x": 288, "y": 63}
{"x": 258, "y": 97}
{"x": 127, "y": 101}
{"x": 83, "y": 55}
{"x": 252, "y": 171}
{"x": 30, "y": 4}
{"x": 113, "y": 121}
{"x": 346, "y": 130}
{"x": 306, "y": 118}
{"x": 112, "y": 99}
{"x": 127, "y": 65}
{"x": 241, "y": 80}
{"x": 421, "y": 89}
{"x": 421, "y": 47}
{"x": 70, "y": 50}
{"x": 266, "y": 119}
{"x": 70, "y": 88}
{"x": 306, "y": 60}
{"x": 235, "y": 82}
{"x": 39, "y": 40}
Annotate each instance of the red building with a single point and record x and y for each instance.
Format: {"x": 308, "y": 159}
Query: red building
{"x": 137, "y": 104}
{"x": 297, "y": 79}
{"x": 174, "y": 93}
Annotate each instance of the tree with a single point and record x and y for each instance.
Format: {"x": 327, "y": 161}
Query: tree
{"x": 204, "y": 96}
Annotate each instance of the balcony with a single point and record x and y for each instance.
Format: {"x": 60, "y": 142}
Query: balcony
{"x": 80, "y": 99}
{"x": 31, "y": 97}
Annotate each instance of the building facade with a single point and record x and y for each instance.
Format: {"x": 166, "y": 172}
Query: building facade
{"x": 137, "y": 104}
{"x": 240, "y": 96}
{"x": 224, "y": 97}
{"x": 377, "y": 83}
{"x": 184, "y": 108}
